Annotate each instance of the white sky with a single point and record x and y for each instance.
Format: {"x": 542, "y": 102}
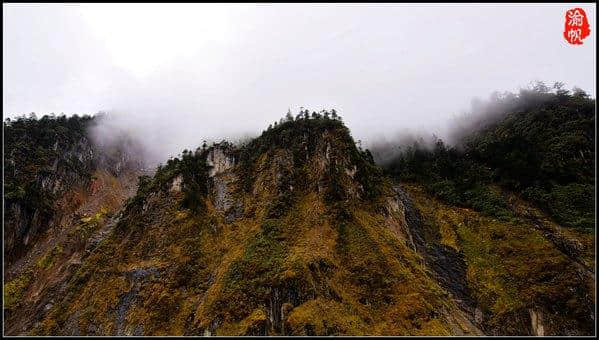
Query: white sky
{"x": 180, "y": 73}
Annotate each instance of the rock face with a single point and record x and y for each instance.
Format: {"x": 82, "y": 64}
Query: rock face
{"x": 536, "y": 322}
{"x": 279, "y": 241}
{"x": 24, "y": 222}
{"x": 59, "y": 189}
{"x": 448, "y": 265}
{"x": 296, "y": 233}
{"x": 176, "y": 184}
{"x": 71, "y": 168}
{"x": 220, "y": 159}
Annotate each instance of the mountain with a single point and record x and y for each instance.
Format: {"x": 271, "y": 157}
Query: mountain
{"x": 49, "y": 166}
{"x": 296, "y": 232}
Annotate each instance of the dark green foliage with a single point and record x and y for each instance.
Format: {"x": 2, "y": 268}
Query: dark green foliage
{"x": 300, "y": 137}
{"x": 542, "y": 147}
{"x": 194, "y": 171}
{"x": 571, "y": 204}
{"x": 35, "y": 151}
{"x": 451, "y": 176}
{"x": 488, "y": 201}
{"x": 548, "y": 153}
{"x": 335, "y": 190}
{"x": 143, "y": 185}
{"x": 549, "y": 143}
{"x": 31, "y": 148}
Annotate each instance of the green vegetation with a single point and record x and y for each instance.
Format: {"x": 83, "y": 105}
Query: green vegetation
{"x": 194, "y": 171}
{"x": 541, "y": 147}
{"x": 31, "y": 147}
{"x": 49, "y": 259}
{"x": 301, "y": 137}
{"x": 14, "y": 289}
{"x": 34, "y": 159}
{"x": 252, "y": 277}
{"x": 511, "y": 268}
{"x": 320, "y": 243}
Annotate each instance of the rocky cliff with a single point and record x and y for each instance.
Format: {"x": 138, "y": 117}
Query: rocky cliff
{"x": 55, "y": 178}
{"x": 297, "y": 232}
{"x": 47, "y": 161}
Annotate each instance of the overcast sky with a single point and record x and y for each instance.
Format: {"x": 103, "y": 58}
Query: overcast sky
{"x": 178, "y": 74}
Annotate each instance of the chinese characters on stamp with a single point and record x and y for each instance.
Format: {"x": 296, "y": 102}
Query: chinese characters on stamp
{"x": 576, "y": 27}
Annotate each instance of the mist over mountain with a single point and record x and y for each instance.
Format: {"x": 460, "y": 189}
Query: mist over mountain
{"x": 299, "y": 232}
{"x": 481, "y": 115}
{"x": 176, "y": 74}
{"x": 333, "y": 169}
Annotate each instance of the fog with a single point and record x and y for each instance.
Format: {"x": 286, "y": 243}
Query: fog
{"x": 482, "y": 114}
{"x": 175, "y": 75}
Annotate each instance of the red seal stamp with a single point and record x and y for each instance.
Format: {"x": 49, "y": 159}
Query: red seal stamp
{"x": 577, "y": 26}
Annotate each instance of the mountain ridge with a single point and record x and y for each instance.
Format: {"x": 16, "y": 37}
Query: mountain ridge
{"x": 299, "y": 232}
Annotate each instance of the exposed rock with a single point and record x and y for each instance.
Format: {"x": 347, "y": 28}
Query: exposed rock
{"x": 72, "y": 326}
{"x": 448, "y": 265}
{"x": 220, "y": 159}
{"x": 478, "y": 315}
{"x": 176, "y": 184}
{"x": 412, "y": 218}
{"x": 351, "y": 172}
{"x": 222, "y": 198}
{"x": 536, "y": 322}
{"x": 304, "y": 261}
{"x": 70, "y": 169}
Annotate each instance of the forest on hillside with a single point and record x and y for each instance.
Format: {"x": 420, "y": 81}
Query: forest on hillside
{"x": 539, "y": 142}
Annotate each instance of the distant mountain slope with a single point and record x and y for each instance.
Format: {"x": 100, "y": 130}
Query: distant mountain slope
{"x": 539, "y": 144}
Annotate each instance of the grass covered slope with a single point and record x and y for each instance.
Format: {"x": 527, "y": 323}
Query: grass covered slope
{"x": 514, "y": 269}
{"x": 514, "y": 199}
{"x": 294, "y": 233}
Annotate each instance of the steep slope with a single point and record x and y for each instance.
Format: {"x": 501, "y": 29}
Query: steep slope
{"x": 521, "y": 273}
{"x": 43, "y": 157}
{"x": 513, "y": 202}
{"x": 542, "y": 148}
{"x": 47, "y": 161}
{"x": 297, "y": 233}
{"x": 59, "y": 190}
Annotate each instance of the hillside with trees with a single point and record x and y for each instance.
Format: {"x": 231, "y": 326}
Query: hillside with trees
{"x": 300, "y": 232}
{"x": 538, "y": 143}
